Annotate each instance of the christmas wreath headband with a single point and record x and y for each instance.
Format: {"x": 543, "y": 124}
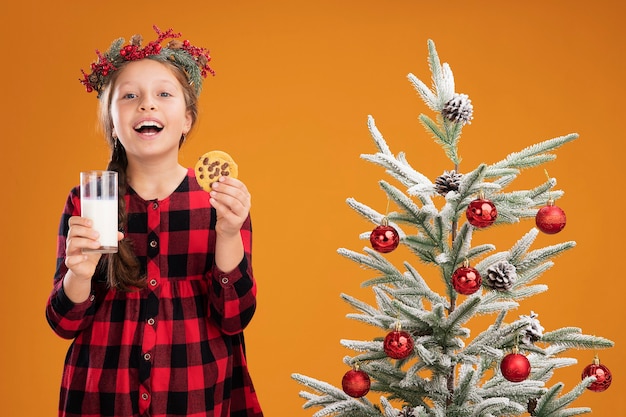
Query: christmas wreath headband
{"x": 193, "y": 60}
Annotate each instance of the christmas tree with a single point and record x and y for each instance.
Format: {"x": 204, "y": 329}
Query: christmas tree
{"x": 428, "y": 363}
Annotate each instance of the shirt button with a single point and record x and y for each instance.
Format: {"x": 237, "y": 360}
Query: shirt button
{"x": 224, "y": 280}
{"x": 155, "y": 205}
{"x": 144, "y": 396}
{"x": 153, "y": 282}
{"x": 147, "y": 356}
{"x": 153, "y": 243}
{"x": 151, "y": 322}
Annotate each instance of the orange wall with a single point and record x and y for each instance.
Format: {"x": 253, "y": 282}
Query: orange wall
{"x": 295, "y": 83}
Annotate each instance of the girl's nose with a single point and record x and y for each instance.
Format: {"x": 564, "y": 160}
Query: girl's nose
{"x": 147, "y": 104}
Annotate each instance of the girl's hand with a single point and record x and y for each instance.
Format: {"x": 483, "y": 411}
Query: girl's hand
{"x": 81, "y": 266}
{"x": 231, "y": 200}
{"x": 81, "y": 236}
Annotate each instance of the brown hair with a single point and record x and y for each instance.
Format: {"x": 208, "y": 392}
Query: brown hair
{"x": 122, "y": 268}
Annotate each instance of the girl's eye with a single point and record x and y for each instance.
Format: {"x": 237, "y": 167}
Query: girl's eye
{"x": 129, "y": 95}
{"x": 165, "y": 94}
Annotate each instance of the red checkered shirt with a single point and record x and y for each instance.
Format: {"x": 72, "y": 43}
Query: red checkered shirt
{"x": 175, "y": 348}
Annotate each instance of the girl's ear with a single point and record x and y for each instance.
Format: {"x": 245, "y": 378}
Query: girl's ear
{"x": 188, "y": 122}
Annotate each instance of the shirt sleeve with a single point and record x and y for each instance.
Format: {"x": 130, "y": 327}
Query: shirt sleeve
{"x": 232, "y": 295}
{"x": 66, "y": 318}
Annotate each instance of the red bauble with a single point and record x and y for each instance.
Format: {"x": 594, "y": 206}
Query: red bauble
{"x": 550, "y": 219}
{"x": 466, "y": 280}
{"x": 398, "y": 344}
{"x": 515, "y": 367}
{"x": 355, "y": 383}
{"x": 384, "y": 238}
{"x": 602, "y": 374}
{"x": 481, "y": 213}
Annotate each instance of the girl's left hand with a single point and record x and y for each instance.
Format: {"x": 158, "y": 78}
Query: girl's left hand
{"x": 231, "y": 200}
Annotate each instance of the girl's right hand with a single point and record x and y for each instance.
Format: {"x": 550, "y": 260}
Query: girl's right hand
{"x": 81, "y": 236}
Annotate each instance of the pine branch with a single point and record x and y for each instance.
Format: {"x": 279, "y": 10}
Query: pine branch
{"x": 437, "y": 75}
{"x": 370, "y": 214}
{"x": 539, "y": 256}
{"x": 568, "y": 412}
{"x": 496, "y": 406}
{"x": 360, "y": 305}
{"x": 460, "y": 248}
{"x": 320, "y": 386}
{"x": 461, "y": 315}
{"x": 465, "y": 388}
{"x": 521, "y": 247}
{"x": 316, "y": 400}
{"x": 572, "y": 337}
{"x": 420, "y": 217}
{"x": 378, "y": 138}
{"x": 421, "y": 286}
{"x": 425, "y": 248}
{"x": 520, "y": 293}
{"x": 498, "y": 306}
{"x": 533, "y": 155}
{"x": 550, "y": 405}
{"x": 372, "y": 260}
{"x": 372, "y": 321}
{"x": 428, "y": 97}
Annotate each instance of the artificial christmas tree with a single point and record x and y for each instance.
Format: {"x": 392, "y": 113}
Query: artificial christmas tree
{"x": 502, "y": 371}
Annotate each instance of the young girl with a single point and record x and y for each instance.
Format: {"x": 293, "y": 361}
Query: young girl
{"x": 157, "y": 327}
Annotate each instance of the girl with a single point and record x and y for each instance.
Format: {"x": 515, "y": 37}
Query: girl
{"x": 157, "y": 327}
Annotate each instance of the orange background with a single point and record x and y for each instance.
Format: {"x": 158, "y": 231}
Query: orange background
{"x": 295, "y": 83}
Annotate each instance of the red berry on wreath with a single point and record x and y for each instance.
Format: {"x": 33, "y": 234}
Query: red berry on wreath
{"x": 602, "y": 374}
{"x": 550, "y": 219}
{"x": 481, "y": 212}
{"x": 515, "y": 367}
{"x": 398, "y": 344}
{"x": 384, "y": 238}
{"x": 356, "y": 383}
{"x": 466, "y": 280}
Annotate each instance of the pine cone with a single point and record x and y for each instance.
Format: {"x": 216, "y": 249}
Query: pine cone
{"x": 458, "y": 109}
{"x": 501, "y": 276}
{"x": 533, "y": 331}
{"x": 406, "y": 412}
{"x": 448, "y": 181}
{"x": 136, "y": 40}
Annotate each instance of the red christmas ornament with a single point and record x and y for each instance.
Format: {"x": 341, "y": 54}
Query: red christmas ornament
{"x": 398, "y": 344}
{"x": 384, "y": 238}
{"x": 515, "y": 367}
{"x": 550, "y": 219}
{"x": 602, "y": 374}
{"x": 481, "y": 212}
{"x": 356, "y": 383}
{"x": 466, "y": 280}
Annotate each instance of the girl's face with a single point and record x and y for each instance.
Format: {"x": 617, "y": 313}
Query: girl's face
{"x": 148, "y": 111}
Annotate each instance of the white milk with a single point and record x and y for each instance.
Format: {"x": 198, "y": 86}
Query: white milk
{"x": 103, "y": 213}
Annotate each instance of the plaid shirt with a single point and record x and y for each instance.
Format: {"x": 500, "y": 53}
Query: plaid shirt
{"x": 175, "y": 348}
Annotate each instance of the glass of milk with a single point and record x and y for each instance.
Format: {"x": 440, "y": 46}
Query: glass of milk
{"x": 98, "y": 202}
